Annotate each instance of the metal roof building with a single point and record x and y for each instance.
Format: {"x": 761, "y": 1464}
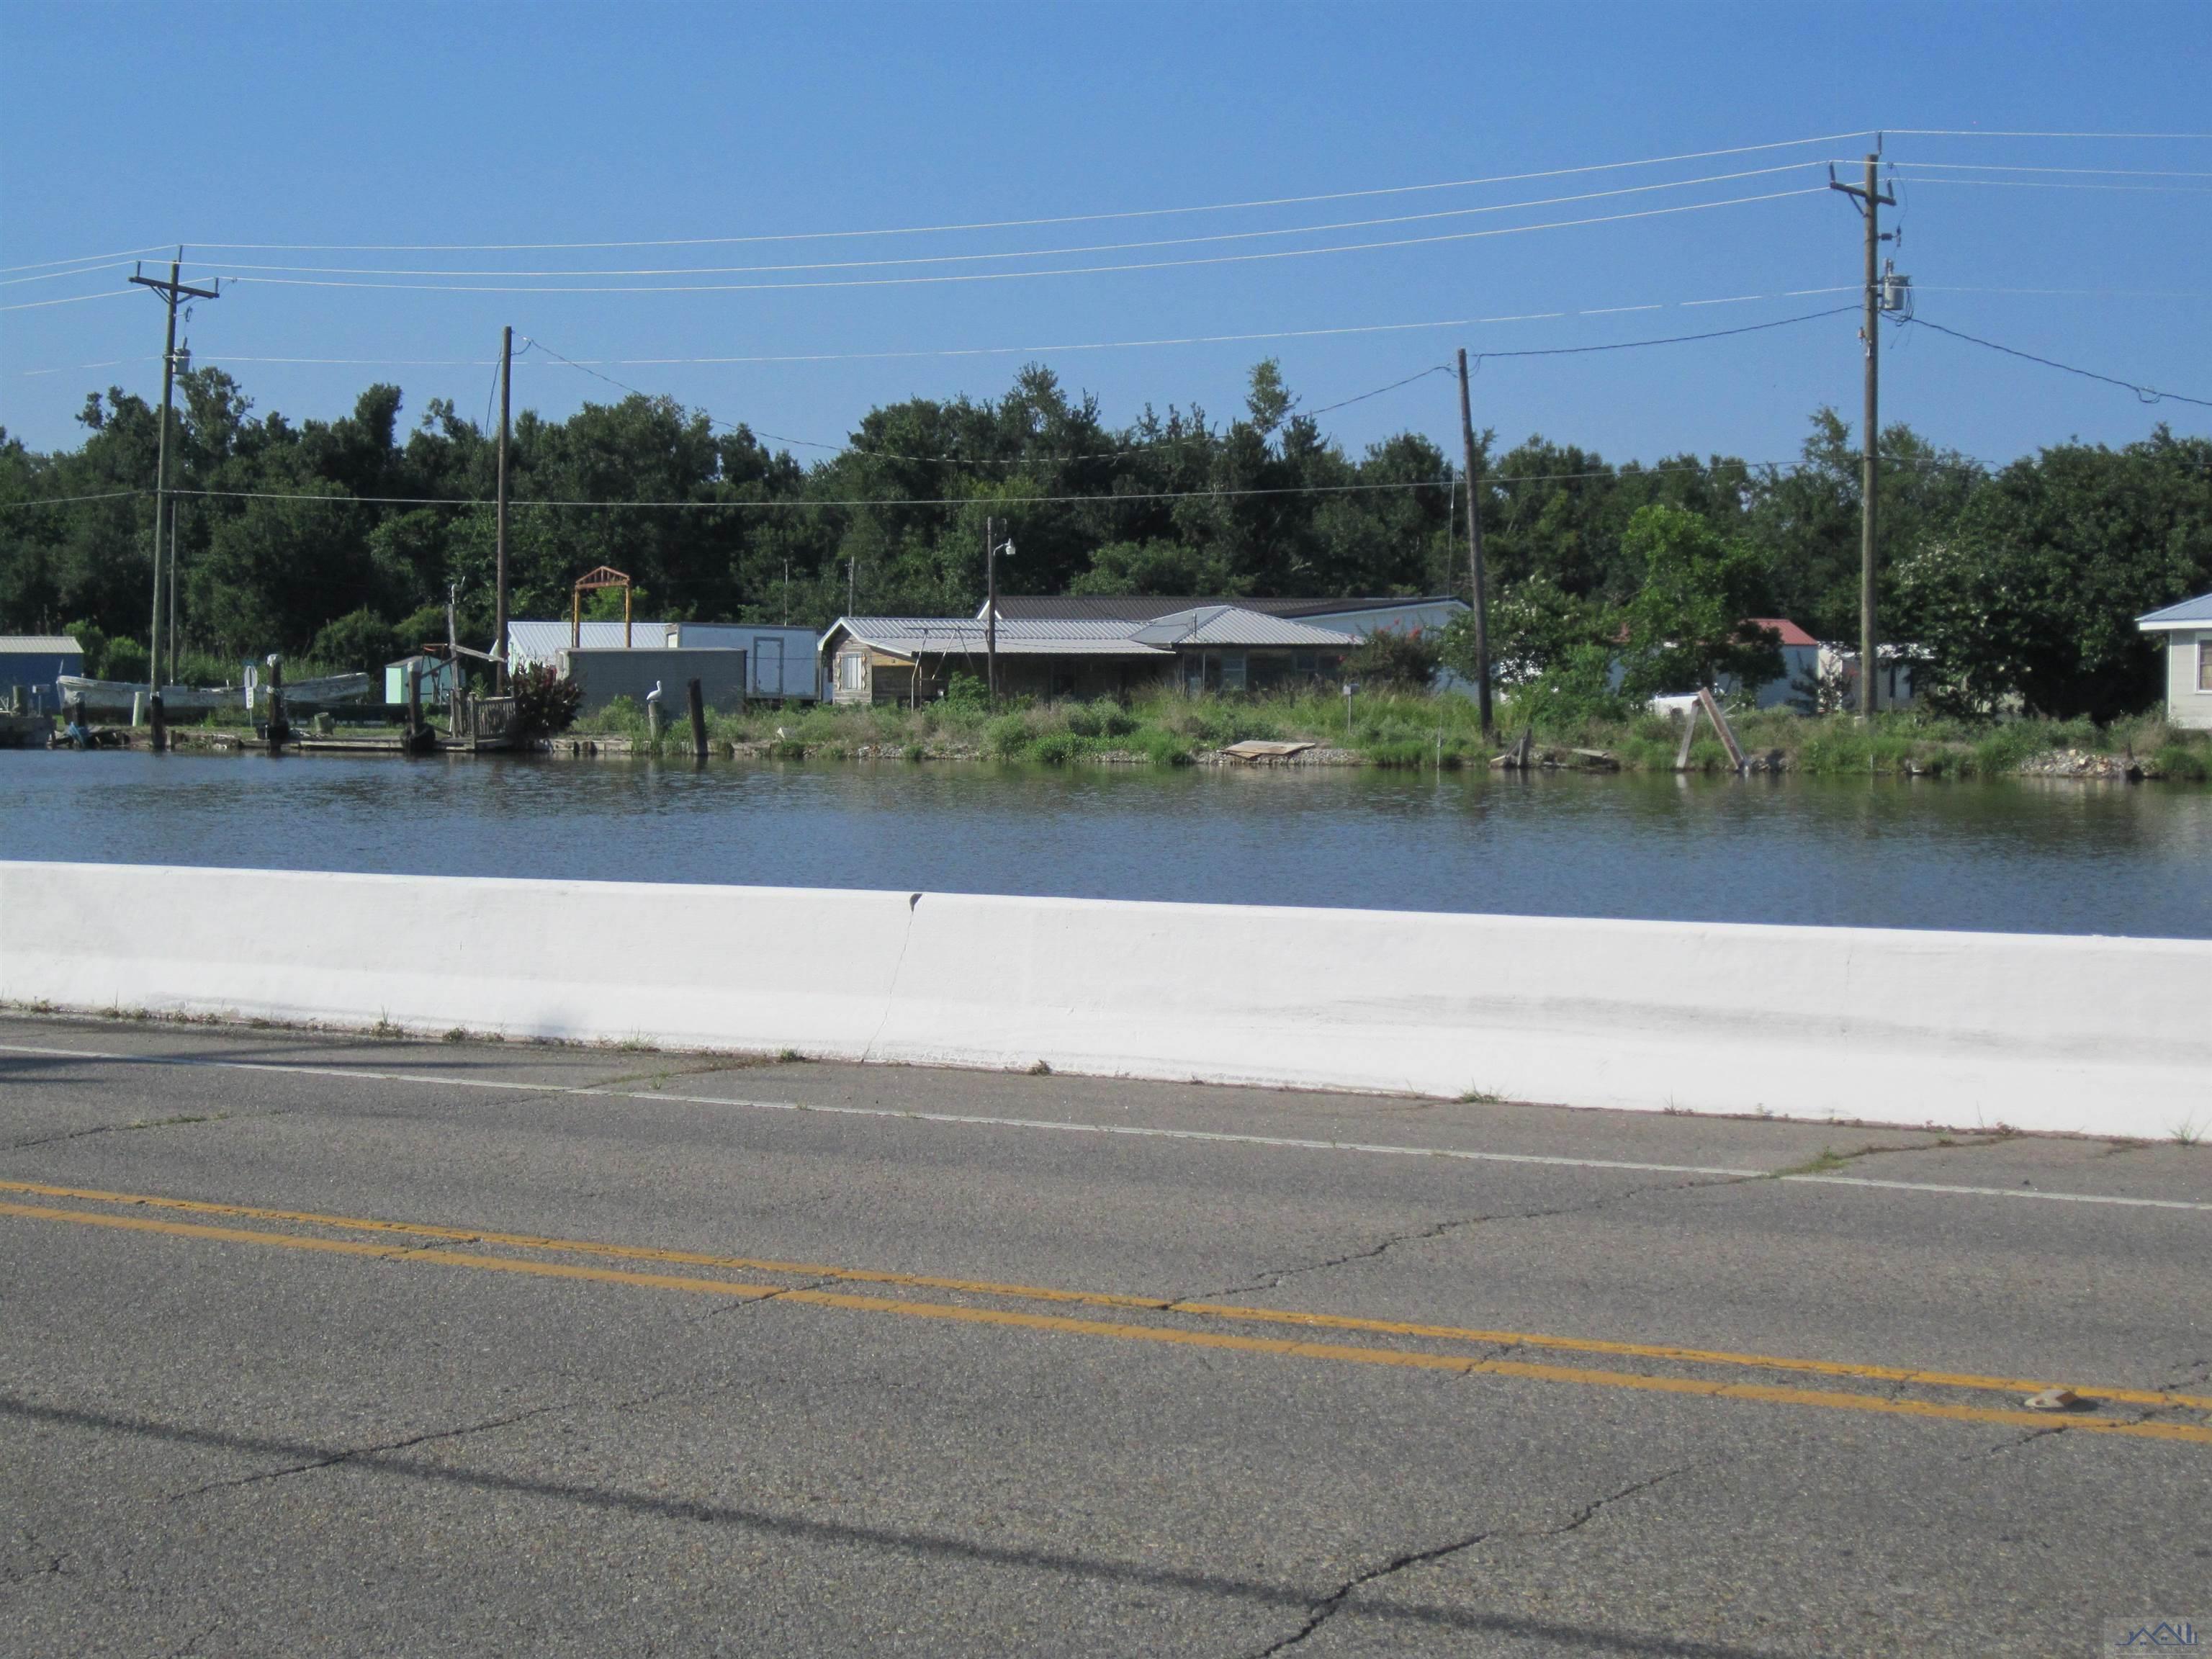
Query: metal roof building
{"x": 36, "y": 662}
{"x": 1214, "y": 647}
{"x": 780, "y": 662}
{"x": 1132, "y": 607}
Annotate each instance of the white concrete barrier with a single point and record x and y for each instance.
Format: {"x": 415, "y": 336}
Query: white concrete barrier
{"x": 2037, "y": 1031}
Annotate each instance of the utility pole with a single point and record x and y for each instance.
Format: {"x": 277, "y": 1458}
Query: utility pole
{"x": 499, "y": 596}
{"x": 174, "y": 290}
{"x": 1474, "y": 553}
{"x": 174, "y": 584}
{"x": 1869, "y": 199}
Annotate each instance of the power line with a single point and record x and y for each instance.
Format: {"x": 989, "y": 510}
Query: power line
{"x": 1019, "y": 253}
{"x": 1345, "y": 402}
{"x": 2059, "y": 184}
{"x": 87, "y": 270}
{"x": 58, "y": 501}
{"x": 1092, "y": 218}
{"x": 1245, "y": 337}
{"x": 120, "y": 253}
{"x": 1671, "y": 339}
{"x": 73, "y": 300}
{"x": 2148, "y": 394}
{"x": 1019, "y": 224}
{"x": 1015, "y": 276}
{"x": 2008, "y": 166}
{"x": 2067, "y": 293}
{"x": 1971, "y": 132}
{"x": 787, "y": 503}
{"x": 1556, "y": 351}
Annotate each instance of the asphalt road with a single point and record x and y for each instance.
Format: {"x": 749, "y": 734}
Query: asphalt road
{"x": 314, "y": 1346}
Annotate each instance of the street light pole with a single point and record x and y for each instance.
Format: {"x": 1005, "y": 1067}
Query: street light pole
{"x": 992, "y": 548}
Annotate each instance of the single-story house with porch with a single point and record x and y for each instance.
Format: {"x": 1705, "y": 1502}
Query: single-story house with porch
{"x": 1217, "y": 646}
{"x": 2186, "y": 630}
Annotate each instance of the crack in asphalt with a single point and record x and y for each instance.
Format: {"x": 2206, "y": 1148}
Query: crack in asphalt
{"x": 352, "y": 1454}
{"x": 1271, "y": 1279}
{"x": 180, "y": 1121}
{"x": 1321, "y": 1611}
{"x": 1828, "y": 1159}
{"x": 47, "y": 1565}
{"x": 379, "y": 1449}
{"x": 2017, "y": 1443}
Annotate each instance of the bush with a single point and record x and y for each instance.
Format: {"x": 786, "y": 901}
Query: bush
{"x": 543, "y": 704}
{"x": 2178, "y": 761}
{"x": 359, "y": 643}
{"x": 1102, "y": 719}
{"x": 1387, "y": 658}
{"x": 966, "y": 693}
{"x": 1574, "y": 691}
{"x": 1056, "y": 747}
{"x": 124, "y": 659}
{"x": 1007, "y": 737}
{"x": 1164, "y": 748}
{"x": 93, "y": 640}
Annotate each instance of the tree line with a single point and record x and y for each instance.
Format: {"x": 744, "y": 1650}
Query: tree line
{"x": 337, "y": 541}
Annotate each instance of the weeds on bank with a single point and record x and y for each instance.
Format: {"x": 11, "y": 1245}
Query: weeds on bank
{"x": 1404, "y": 729}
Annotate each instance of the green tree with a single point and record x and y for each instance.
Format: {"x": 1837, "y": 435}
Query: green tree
{"x": 359, "y": 643}
{"x": 2036, "y": 593}
{"x": 1686, "y": 625}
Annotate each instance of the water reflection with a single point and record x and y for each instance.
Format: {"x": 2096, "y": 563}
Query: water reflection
{"x": 2033, "y": 856}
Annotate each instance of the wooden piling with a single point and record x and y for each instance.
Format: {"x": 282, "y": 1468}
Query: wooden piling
{"x": 156, "y": 717}
{"x": 279, "y": 728}
{"x": 1712, "y": 708}
{"x": 698, "y": 701}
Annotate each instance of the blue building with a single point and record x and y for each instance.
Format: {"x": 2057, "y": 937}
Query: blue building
{"x": 36, "y": 661}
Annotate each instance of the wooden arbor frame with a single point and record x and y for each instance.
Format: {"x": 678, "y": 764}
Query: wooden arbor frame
{"x": 604, "y": 576}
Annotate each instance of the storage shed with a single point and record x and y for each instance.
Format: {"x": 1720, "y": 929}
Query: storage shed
{"x": 607, "y": 673}
{"x": 36, "y": 662}
{"x": 780, "y": 661}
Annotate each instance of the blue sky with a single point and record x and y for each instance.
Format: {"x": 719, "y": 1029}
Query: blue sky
{"x": 122, "y": 127}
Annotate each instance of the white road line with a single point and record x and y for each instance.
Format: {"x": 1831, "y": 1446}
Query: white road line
{"x": 1077, "y": 1127}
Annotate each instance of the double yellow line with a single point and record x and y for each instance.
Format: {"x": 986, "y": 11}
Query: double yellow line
{"x": 442, "y": 1253}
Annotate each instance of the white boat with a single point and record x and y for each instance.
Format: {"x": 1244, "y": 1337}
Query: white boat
{"x": 118, "y": 695}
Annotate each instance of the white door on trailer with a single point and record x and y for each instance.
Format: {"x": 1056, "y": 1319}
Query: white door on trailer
{"x": 767, "y": 665}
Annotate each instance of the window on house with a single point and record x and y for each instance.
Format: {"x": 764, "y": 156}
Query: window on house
{"x": 2203, "y": 663}
{"x": 1232, "y": 671}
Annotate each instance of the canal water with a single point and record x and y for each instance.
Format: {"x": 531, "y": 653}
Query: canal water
{"x": 2013, "y": 856}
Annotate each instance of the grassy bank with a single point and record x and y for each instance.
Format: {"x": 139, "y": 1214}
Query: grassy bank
{"x": 1413, "y": 731}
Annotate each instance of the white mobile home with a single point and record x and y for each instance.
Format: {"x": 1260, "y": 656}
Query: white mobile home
{"x": 780, "y": 662}
{"x": 2186, "y": 630}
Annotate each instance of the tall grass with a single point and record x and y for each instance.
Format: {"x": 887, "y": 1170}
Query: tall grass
{"x": 1397, "y": 729}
